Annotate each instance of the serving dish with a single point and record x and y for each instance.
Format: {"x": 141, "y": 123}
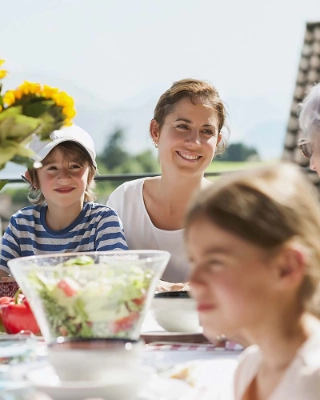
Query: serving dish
{"x": 176, "y": 311}
{"x": 90, "y": 295}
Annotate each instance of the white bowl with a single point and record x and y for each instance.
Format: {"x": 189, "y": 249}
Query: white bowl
{"x": 90, "y": 295}
{"x": 92, "y": 359}
{"x": 176, "y": 312}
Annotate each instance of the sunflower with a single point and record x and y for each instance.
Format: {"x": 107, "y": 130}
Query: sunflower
{"x": 28, "y": 109}
{"x": 33, "y": 93}
{"x": 54, "y": 107}
{"x": 3, "y": 72}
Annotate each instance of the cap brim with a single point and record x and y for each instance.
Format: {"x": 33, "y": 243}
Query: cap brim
{"x": 51, "y": 145}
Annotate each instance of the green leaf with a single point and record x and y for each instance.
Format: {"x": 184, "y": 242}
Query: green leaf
{"x": 10, "y": 111}
{"x": 17, "y": 128}
{"x": 36, "y": 109}
{"x": 10, "y": 149}
{"x": 28, "y": 162}
{"x": 3, "y": 183}
{"x": 48, "y": 125}
{"x": 24, "y": 127}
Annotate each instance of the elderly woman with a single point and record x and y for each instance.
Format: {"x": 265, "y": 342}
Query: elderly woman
{"x": 309, "y": 121}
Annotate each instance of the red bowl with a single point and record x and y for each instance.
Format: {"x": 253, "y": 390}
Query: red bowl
{"x": 8, "y": 289}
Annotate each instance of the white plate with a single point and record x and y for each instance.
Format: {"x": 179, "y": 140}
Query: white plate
{"x": 164, "y": 388}
{"x": 13, "y": 388}
{"x": 120, "y": 385}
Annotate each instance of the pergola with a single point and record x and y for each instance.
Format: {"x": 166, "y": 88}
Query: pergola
{"x": 308, "y": 75}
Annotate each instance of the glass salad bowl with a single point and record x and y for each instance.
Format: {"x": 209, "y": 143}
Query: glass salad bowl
{"x": 90, "y": 295}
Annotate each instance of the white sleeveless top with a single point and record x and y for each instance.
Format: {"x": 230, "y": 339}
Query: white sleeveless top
{"x": 141, "y": 234}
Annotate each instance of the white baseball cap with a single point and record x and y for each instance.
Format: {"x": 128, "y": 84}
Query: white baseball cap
{"x": 71, "y": 133}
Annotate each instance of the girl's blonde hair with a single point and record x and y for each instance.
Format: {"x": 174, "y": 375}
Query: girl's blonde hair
{"x": 269, "y": 207}
{"x": 67, "y": 148}
{"x": 192, "y": 88}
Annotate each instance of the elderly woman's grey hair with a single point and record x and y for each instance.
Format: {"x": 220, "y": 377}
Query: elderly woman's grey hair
{"x": 309, "y": 118}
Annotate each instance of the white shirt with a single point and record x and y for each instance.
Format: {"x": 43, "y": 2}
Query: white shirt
{"x": 301, "y": 381}
{"x": 141, "y": 234}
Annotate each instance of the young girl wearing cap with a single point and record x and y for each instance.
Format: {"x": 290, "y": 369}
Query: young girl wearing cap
{"x": 63, "y": 217}
{"x": 253, "y": 241}
{"x": 187, "y": 131}
{"x": 309, "y": 121}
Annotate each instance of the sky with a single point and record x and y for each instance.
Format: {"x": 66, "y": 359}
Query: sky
{"x": 125, "y": 53}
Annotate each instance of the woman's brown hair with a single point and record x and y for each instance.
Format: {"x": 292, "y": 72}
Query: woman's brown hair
{"x": 192, "y": 88}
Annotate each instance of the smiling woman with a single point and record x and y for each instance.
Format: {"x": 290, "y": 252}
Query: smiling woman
{"x": 187, "y": 131}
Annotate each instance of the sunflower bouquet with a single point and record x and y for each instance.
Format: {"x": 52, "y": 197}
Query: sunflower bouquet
{"x": 28, "y": 109}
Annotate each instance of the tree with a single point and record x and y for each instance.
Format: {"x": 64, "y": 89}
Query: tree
{"x": 115, "y": 159}
{"x": 113, "y": 154}
{"x": 147, "y": 161}
{"x": 239, "y": 152}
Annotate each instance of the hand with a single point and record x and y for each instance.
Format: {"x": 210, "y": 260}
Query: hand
{"x": 3, "y": 274}
{"x": 164, "y": 286}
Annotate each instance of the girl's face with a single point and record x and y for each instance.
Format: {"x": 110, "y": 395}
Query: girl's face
{"x": 188, "y": 138}
{"x": 62, "y": 180}
{"x": 231, "y": 280}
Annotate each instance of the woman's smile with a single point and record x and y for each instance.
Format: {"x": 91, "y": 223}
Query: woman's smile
{"x": 188, "y": 156}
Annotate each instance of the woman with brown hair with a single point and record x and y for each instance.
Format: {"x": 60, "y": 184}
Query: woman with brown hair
{"x": 187, "y": 131}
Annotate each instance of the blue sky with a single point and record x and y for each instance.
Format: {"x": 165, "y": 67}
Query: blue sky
{"x": 124, "y": 52}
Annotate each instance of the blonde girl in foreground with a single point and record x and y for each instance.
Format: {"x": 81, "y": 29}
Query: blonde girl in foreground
{"x": 254, "y": 245}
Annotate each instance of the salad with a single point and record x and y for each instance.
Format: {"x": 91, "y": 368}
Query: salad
{"x": 78, "y": 301}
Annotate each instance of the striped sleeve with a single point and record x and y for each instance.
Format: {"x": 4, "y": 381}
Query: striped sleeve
{"x": 10, "y": 246}
{"x": 109, "y": 232}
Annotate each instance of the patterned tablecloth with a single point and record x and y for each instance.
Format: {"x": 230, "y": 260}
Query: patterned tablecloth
{"x": 8, "y": 288}
{"x": 207, "y": 370}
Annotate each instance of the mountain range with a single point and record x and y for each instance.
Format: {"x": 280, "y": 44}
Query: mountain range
{"x": 253, "y": 121}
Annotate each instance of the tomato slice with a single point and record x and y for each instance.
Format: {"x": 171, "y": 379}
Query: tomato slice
{"x": 139, "y": 301}
{"x": 125, "y": 323}
{"x": 68, "y": 286}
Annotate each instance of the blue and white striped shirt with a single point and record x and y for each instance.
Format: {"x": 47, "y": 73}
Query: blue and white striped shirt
{"x": 97, "y": 227}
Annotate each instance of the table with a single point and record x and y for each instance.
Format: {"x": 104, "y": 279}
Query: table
{"x": 210, "y": 369}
